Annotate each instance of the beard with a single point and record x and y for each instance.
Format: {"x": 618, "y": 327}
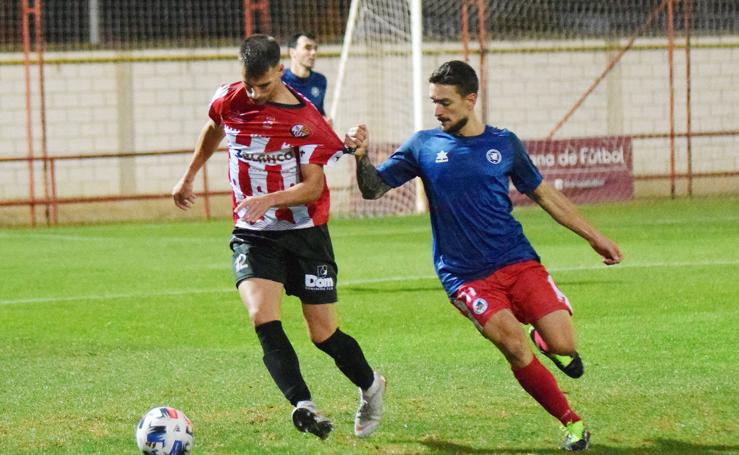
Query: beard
{"x": 455, "y": 128}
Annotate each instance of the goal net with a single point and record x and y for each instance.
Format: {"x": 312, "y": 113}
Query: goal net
{"x": 378, "y": 38}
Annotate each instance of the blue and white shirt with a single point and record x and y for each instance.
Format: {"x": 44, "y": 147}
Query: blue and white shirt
{"x": 312, "y": 87}
{"x": 466, "y": 181}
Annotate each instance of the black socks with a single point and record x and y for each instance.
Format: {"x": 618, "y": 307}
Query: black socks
{"x": 284, "y": 367}
{"x": 349, "y": 358}
{"x": 282, "y": 362}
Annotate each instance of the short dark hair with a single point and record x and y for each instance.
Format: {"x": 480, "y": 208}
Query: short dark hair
{"x": 293, "y": 43}
{"x": 456, "y": 73}
{"x": 259, "y": 53}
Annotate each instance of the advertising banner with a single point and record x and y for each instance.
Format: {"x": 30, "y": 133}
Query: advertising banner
{"x": 586, "y": 170}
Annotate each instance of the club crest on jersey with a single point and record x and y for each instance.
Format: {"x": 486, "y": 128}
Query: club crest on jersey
{"x": 441, "y": 157}
{"x": 315, "y": 91}
{"x": 479, "y": 306}
{"x": 493, "y": 156}
{"x": 300, "y": 130}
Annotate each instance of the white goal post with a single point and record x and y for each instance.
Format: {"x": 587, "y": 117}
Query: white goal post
{"x": 373, "y": 40}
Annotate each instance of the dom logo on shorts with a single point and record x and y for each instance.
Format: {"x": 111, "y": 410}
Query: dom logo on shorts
{"x": 320, "y": 281}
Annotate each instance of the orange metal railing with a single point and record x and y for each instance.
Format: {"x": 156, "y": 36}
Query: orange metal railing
{"x": 33, "y": 43}
{"x": 32, "y": 13}
{"x": 51, "y": 201}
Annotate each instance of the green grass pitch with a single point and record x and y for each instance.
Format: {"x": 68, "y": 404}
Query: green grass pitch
{"x": 100, "y": 323}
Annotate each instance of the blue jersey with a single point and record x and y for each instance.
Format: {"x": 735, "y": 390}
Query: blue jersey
{"x": 312, "y": 87}
{"x": 466, "y": 181}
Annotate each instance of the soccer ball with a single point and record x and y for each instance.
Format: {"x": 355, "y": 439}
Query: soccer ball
{"x": 164, "y": 431}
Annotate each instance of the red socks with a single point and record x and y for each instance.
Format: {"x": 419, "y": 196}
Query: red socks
{"x": 540, "y": 384}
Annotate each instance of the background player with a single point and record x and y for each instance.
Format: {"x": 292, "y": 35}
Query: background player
{"x": 485, "y": 263}
{"x": 278, "y": 145}
{"x": 303, "y": 49}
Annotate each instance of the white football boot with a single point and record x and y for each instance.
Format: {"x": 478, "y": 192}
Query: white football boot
{"x": 368, "y": 416}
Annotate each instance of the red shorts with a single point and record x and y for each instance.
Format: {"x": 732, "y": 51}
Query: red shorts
{"x": 525, "y": 288}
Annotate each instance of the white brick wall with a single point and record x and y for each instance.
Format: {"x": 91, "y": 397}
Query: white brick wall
{"x": 529, "y": 93}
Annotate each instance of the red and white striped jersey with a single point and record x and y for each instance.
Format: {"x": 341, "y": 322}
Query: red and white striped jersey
{"x": 266, "y": 146}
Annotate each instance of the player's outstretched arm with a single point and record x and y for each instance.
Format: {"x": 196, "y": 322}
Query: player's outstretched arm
{"x": 207, "y": 143}
{"x": 369, "y": 181}
{"x": 565, "y": 213}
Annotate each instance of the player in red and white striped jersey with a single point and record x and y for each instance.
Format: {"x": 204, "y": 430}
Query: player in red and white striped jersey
{"x": 278, "y": 143}
{"x": 267, "y": 145}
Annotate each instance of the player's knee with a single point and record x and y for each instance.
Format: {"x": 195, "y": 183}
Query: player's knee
{"x": 320, "y": 331}
{"x": 562, "y": 345}
{"x": 519, "y": 357}
{"x": 260, "y": 314}
{"x": 256, "y": 317}
{"x": 557, "y": 331}
{"x": 321, "y": 326}
{"x": 318, "y": 336}
{"x": 515, "y": 350}
{"x": 505, "y": 332}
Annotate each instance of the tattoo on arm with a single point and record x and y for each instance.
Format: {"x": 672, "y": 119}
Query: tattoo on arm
{"x": 370, "y": 183}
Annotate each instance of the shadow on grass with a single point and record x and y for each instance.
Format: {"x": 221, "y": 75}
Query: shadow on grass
{"x": 651, "y": 446}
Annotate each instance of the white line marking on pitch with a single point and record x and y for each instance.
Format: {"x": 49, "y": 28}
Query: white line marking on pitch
{"x": 98, "y": 238}
{"x": 221, "y": 239}
{"x": 345, "y": 283}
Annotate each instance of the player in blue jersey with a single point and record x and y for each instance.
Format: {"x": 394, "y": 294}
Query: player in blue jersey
{"x": 303, "y": 49}
{"x": 488, "y": 268}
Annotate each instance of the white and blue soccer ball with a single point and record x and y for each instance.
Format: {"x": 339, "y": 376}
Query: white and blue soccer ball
{"x": 164, "y": 431}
